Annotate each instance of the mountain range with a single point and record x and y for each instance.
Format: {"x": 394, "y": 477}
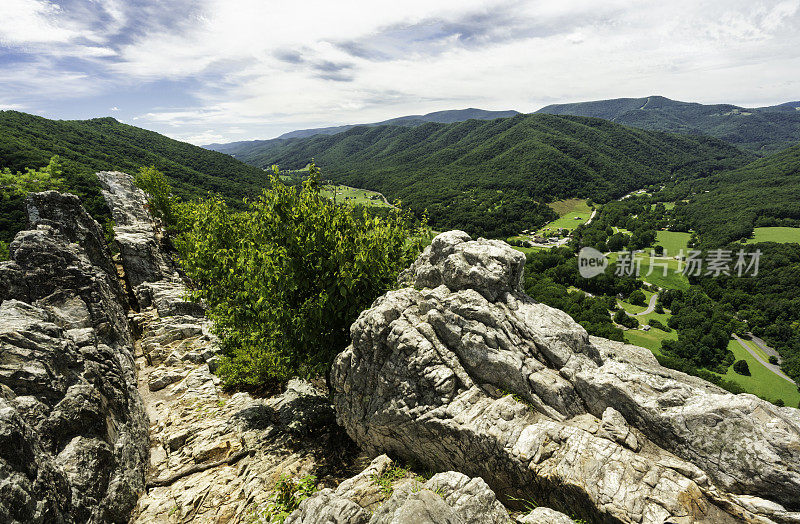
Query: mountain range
{"x": 491, "y": 178}
{"x": 761, "y": 130}
{"x": 441, "y": 117}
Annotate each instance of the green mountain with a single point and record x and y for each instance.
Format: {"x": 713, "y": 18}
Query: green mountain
{"x": 106, "y": 144}
{"x": 761, "y": 130}
{"x": 729, "y": 205}
{"x": 441, "y": 117}
{"x": 493, "y": 177}
{"x": 87, "y": 146}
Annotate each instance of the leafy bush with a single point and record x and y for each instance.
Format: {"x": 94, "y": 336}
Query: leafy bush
{"x": 773, "y": 360}
{"x": 4, "y": 254}
{"x": 161, "y": 202}
{"x": 741, "y": 367}
{"x": 33, "y": 180}
{"x": 285, "y": 279}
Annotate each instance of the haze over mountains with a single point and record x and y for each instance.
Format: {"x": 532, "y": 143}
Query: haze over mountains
{"x": 441, "y": 117}
{"x": 762, "y": 130}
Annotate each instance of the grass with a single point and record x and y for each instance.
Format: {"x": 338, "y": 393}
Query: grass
{"x": 762, "y": 381}
{"x": 672, "y": 280}
{"x": 672, "y": 242}
{"x": 782, "y": 235}
{"x": 649, "y": 339}
{"x": 357, "y": 196}
{"x": 571, "y": 213}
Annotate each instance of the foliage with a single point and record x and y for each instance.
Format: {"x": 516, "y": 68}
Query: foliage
{"x": 637, "y": 298}
{"x": 491, "y": 178}
{"x": 32, "y": 180}
{"x": 106, "y": 144}
{"x": 289, "y": 493}
{"x": 741, "y": 367}
{"x": 726, "y": 207}
{"x": 285, "y": 279}
{"x": 4, "y": 254}
{"x": 623, "y": 319}
{"x": 655, "y": 323}
{"x": 389, "y": 476}
{"x": 56, "y": 174}
{"x": 162, "y": 203}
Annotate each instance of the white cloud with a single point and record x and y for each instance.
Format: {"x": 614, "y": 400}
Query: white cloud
{"x": 261, "y": 68}
{"x": 115, "y": 108}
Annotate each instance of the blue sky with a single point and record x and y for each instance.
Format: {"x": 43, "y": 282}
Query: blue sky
{"x": 222, "y": 70}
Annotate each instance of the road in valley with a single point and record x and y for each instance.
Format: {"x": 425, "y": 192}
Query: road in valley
{"x": 650, "y": 307}
{"x": 772, "y": 367}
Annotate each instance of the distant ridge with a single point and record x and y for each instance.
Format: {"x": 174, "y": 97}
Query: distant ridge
{"x": 762, "y": 130}
{"x": 440, "y": 117}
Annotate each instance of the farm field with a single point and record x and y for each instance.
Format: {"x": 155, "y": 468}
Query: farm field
{"x": 672, "y": 242}
{"x": 782, "y": 235}
{"x": 357, "y": 196}
{"x": 571, "y": 213}
{"x": 673, "y": 279}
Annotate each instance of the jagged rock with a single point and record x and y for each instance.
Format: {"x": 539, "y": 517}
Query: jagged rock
{"x": 448, "y": 497}
{"x": 214, "y": 457}
{"x": 73, "y": 431}
{"x": 545, "y": 516}
{"x": 138, "y": 237}
{"x": 594, "y": 428}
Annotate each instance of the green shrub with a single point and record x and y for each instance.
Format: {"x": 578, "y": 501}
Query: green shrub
{"x": 773, "y": 360}
{"x": 33, "y": 180}
{"x": 655, "y": 323}
{"x": 741, "y": 367}
{"x": 4, "y": 254}
{"x": 289, "y": 493}
{"x": 285, "y": 279}
{"x": 161, "y": 201}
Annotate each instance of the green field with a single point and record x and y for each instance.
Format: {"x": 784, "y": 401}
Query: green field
{"x": 762, "y": 381}
{"x": 571, "y": 213}
{"x": 782, "y": 235}
{"x": 673, "y": 279}
{"x": 356, "y": 196}
{"x": 649, "y": 339}
{"x": 672, "y": 242}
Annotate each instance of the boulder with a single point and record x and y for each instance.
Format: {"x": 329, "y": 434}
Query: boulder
{"x": 448, "y": 497}
{"x": 460, "y": 370}
{"x": 72, "y": 424}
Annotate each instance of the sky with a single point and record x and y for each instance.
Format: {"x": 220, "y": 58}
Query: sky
{"x": 208, "y": 71}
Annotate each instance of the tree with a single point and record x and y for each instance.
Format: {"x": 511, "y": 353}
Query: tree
{"x": 773, "y": 360}
{"x": 285, "y": 279}
{"x": 741, "y": 367}
{"x": 32, "y": 180}
{"x": 637, "y": 298}
{"x": 623, "y": 319}
{"x": 4, "y": 254}
{"x": 161, "y": 201}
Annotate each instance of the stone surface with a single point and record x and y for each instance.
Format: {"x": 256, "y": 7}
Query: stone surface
{"x": 73, "y": 431}
{"x": 448, "y": 497}
{"x": 545, "y": 516}
{"x": 461, "y": 371}
{"x": 194, "y": 424}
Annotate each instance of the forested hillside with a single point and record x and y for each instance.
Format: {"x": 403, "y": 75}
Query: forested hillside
{"x": 441, "y": 117}
{"x": 106, "y": 144}
{"x": 492, "y": 177}
{"x": 763, "y": 193}
{"x": 761, "y": 130}
{"x": 87, "y": 146}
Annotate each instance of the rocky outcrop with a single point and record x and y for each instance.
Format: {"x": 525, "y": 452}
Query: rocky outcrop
{"x": 73, "y": 431}
{"x": 214, "y": 457}
{"x": 461, "y": 371}
{"x": 448, "y": 497}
